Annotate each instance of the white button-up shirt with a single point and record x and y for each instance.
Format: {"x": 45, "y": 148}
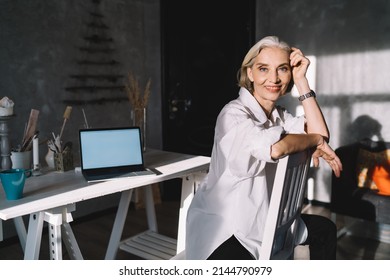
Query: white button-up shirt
{"x": 234, "y": 198}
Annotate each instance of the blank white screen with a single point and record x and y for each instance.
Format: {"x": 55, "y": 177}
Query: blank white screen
{"x": 110, "y": 148}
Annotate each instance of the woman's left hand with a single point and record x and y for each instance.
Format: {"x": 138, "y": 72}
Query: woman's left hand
{"x": 326, "y": 152}
{"x": 299, "y": 64}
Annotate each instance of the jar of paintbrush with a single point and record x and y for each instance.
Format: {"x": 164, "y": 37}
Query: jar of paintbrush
{"x": 62, "y": 154}
{"x": 63, "y": 161}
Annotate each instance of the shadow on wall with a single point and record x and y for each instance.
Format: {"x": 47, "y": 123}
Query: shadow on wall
{"x": 363, "y": 127}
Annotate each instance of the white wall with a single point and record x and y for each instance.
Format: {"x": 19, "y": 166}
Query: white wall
{"x": 353, "y": 85}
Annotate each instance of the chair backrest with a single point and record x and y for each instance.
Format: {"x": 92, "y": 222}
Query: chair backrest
{"x": 285, "y": 206}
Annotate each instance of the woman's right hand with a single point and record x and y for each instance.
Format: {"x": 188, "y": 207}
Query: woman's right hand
{"x": 323, "y": 150}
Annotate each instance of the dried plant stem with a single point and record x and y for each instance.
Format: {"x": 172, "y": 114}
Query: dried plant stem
{"x": 136, "y": 99}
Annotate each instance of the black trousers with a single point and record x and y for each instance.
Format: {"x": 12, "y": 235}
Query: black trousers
{"x": 322, "y": 241}
{"x": 231, "y": 249}
{"x": 322, "y": 237}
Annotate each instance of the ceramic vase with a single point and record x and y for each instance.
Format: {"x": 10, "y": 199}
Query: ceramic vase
{"x": 49, "y": 158}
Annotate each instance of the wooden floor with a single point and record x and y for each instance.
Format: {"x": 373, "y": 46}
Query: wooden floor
{"x": 351, "y": 246}
{"x": 93, "y": 232}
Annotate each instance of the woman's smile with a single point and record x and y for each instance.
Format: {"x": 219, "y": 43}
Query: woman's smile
{"x": 273, "y": 89}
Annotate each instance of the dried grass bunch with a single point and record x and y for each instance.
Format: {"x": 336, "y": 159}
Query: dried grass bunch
{"x": 137, "y": 100}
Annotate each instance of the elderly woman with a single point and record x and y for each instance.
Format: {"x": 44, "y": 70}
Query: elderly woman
{"x": 227, "y": 215}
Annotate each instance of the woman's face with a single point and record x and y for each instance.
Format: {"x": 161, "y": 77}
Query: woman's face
{"x": 270, "y": 74}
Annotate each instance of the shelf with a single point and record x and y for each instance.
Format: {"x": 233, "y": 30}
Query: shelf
{"x": 97, "y": 25}
{"x": 111, "y": 78}
{"x": 94, "y": 88}
{"x": 96, "y": 50}
{"x": 97, "y": 74}
{"x": 91, "y": 62}
{"x": 98, "y": 39}
{"x": 96, "y": 101}
{"x": 150, "y": 245}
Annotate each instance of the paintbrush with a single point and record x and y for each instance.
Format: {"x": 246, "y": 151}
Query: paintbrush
{"x": 85, "y": 119}
{"x": 30, "y": 129}
{"x": 67, "y": 112}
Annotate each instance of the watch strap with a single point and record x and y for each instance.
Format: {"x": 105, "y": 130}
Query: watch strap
{"x": 307, "y": 95}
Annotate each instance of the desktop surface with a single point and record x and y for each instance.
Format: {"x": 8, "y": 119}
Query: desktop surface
{"x": 55, "y": 189}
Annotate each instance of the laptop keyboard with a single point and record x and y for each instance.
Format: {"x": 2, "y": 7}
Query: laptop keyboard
{"x": 99, "y": 178}
{"x": 137, "y": 173}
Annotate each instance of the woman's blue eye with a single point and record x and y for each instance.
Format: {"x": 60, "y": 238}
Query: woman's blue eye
{"x": 283, "y": 69}
{"x": 263, "y": 69}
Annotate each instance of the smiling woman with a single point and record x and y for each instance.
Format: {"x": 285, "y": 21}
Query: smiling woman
{"x": 270, "y": 76}
{"x": 251, "y": 135}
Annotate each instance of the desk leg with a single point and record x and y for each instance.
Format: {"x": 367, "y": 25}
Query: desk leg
{"x": 55, "y": 244}
{"x": 34, "y": 236}
{"x": 70, "y": 242}
{"x": 58, "y": 220}
{"x": 150, "y": 209}
{"x": 187, "y": 193}
{"x": 189, "y": 185}
{"x": 21, "y": 230}
{"x": 119, "y": 223}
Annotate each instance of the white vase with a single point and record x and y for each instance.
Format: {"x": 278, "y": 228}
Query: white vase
{"x": 49, "y": 158}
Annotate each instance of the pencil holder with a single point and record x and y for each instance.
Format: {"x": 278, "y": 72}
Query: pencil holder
{"x": 63, "y": 161}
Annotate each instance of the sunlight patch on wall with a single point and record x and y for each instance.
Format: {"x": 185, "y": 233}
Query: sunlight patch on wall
{"x": 311, "y": 77}
{"x": 359, "y": 73}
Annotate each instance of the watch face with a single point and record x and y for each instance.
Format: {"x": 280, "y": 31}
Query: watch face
{"x": 307, "y": 95}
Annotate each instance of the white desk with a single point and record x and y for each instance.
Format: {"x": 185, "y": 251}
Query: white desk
{"x": 52, "y": 197}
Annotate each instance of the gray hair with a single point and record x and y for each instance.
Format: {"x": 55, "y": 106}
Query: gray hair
{"x": 269, "y": 41}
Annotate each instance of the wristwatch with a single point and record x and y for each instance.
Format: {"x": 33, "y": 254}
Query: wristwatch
{"x": 307, "y": 95}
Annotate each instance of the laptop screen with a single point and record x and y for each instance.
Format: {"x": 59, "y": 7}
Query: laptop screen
{"x": 112, "y": 147}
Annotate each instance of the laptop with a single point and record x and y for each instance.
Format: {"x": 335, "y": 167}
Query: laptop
{"x": 111, "y": 153}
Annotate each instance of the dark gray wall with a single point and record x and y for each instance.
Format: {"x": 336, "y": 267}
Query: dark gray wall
{"x": 39, "y": 49}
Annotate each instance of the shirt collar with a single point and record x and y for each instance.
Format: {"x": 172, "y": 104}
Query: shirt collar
{"x": 275, "y": 116}
{"x": 251, "y": 103}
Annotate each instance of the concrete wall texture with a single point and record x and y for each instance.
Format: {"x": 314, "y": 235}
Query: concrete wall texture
{"x": 41, "y": 48}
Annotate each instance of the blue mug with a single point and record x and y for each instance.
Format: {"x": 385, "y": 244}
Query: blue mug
{"x": 13, "y": 182}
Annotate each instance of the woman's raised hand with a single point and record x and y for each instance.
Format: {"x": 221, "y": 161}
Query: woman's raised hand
{"x": 299, "y": 64}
